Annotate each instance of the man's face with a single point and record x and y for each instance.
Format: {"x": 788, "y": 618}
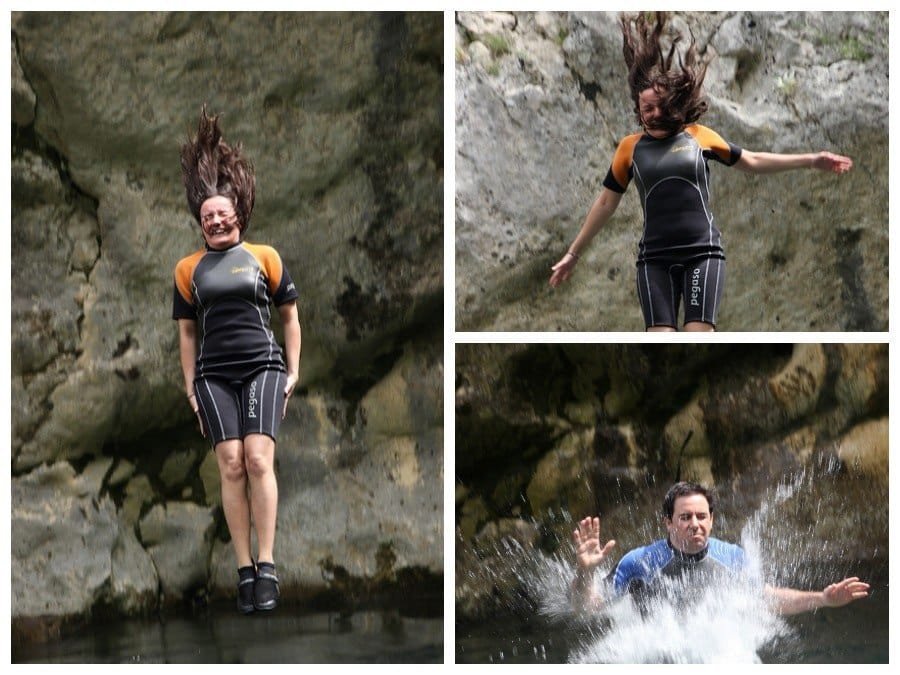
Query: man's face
{"x": 690, "y": 524}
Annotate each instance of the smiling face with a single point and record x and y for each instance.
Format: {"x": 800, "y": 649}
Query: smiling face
{"x": 219, "y": 223}
{"x": 690, "y": 524}
{"x": 651, "y": 113}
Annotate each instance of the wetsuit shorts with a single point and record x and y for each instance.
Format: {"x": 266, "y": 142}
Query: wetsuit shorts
{"x": 662, "y": 284}
{"x": 232, "y": 409}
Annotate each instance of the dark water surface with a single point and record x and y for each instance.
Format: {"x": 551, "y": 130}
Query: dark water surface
{"x": 221, "y": 635}
{"x": 857, "y": 633}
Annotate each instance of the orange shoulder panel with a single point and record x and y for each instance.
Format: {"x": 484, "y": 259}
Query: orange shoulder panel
{"x": 269, "y": 261}
{"x": 710, "y": 140}
{"x": 621, "y": 163}
{"x": 184, "y": 274}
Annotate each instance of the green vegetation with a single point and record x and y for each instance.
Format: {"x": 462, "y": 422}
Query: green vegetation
{"x": 852, "y": 48}
{"x": 497, "y": 45}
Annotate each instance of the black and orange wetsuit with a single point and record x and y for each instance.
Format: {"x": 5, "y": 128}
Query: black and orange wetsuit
{"x": 240, "y": 366}
{"x": 680, "y": 252}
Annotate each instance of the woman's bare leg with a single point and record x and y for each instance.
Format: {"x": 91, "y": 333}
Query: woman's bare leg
{"x": 233, "y": 475}
{"x": 699, "y": 327}
{"x": 259, "y": 457}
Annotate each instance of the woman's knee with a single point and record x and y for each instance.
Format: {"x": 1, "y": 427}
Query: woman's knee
{"x": 259, "y": 455}
{"x": 230, "y": 457}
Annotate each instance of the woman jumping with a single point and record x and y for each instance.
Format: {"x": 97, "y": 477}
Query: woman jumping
{"x": 680, "y": 254}
{"x": 237, "y": 378}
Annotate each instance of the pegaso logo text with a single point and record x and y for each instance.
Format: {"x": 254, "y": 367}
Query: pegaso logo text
{"x": 695, "y": 287}
{"x": 251, "y": 403}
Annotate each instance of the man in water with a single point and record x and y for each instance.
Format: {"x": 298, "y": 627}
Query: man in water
{"x": 689, "y": 555}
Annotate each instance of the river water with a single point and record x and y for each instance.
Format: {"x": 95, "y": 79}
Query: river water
{"x": 221, "y": 635}
{"x": 723, "y": 619}
{"x": 854, "y": 634}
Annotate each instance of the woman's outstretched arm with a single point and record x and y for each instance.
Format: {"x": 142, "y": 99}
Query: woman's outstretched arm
{"x": 604, "y": 206}
{"x": 770, "y": 162}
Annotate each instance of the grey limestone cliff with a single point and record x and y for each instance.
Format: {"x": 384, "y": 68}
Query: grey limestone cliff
{"x": 541, "y": 103}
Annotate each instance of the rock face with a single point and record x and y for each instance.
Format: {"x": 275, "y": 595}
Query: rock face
{"x": 541, "y": 104}
{"x": 547, "y": 434}
{"x": 342, "y": 117}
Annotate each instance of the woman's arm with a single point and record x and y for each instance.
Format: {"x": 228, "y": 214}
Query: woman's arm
{"x": 770, "y": 162}
{"x": 292, "y": 338}
{"x": 187, "y": 347}
{"x": 602, "y": 210}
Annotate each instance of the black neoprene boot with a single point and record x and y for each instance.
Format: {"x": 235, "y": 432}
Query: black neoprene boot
{"x": 265, "y": 591}
{"x": 246, "y": 583}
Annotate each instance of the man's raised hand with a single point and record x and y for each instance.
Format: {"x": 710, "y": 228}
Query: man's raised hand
{"x": 588, "y": 552}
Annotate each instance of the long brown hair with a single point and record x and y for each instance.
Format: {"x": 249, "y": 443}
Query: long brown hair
{"x": 650, "y": 66}
{"x": 210, "y": 168}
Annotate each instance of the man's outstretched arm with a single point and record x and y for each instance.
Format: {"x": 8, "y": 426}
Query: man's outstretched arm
{"x": 790, "y": 601}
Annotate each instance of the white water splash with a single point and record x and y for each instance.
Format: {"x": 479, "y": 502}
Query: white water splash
{"x": 723, "y": 622}
{"x": 721, "y": 625}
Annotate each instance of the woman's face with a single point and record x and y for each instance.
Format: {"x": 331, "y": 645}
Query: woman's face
{"x": 219, "y": 223}
{"x": 650, "y": 112}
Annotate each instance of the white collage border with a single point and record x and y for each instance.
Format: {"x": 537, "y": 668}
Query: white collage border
{"x": 451, "y": 338}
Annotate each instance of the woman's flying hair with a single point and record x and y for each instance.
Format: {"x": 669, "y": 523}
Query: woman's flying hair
{"x": 651, "y": 66}
{"x": 210, "y": 167}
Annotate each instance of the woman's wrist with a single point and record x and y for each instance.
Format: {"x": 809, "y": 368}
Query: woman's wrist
{"x": 573, "y": 254}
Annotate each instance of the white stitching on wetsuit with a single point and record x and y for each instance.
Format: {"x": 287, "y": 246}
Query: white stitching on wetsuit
{"x": 215, "y": 407}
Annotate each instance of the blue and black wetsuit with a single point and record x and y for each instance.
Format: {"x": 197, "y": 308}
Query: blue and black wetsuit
{"x": 680, "y": 253}
{"x": 644, "y": 571}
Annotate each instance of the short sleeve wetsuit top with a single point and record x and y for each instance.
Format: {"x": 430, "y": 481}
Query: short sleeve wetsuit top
{"x": 680, "y": 237}
{"x": 642, "y": 570}
{"x": 672, "y": 177}
{"x": 229, "y": 294}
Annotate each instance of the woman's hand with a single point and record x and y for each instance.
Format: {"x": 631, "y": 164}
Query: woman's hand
{"x": 828, "y": 161}
{"x": 288, "y": 390}
{"x": 563, "y": 269}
